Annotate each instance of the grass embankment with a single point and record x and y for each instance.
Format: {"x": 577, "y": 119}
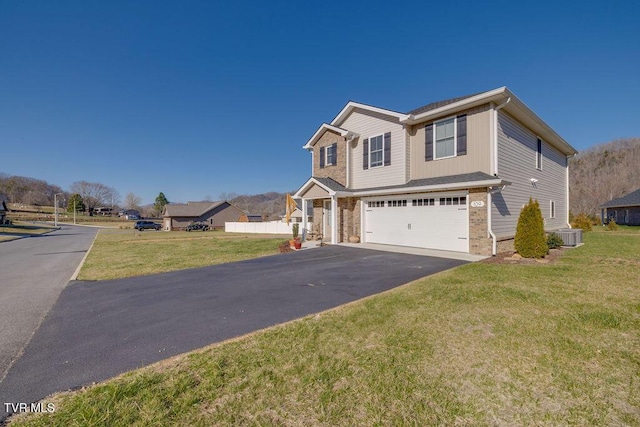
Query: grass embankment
{"x": 22, "y": 229}
{"x": 116, "y": 254}
{"x": 483, "y": 344}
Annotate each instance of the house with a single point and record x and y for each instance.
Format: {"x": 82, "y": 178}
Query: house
{"x": 177, "y": 216}
{"x": 130, "y": 214}
{"x": 623, "y": 210}
{"x": 3, "y": 209}
{"x": 452, "y": 175}
{"x": 296, "y": 215}
{"x": 250, "y": 218}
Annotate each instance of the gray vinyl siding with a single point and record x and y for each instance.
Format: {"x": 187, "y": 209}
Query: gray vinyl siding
{"x": 477, "y": 159}
{"x": 368, "y": 124}
{"x": 517, "y": 148}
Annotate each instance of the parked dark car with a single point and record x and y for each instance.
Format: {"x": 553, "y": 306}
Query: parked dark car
{"x": 197, "y": 226}
{"x": 143, "y": 225}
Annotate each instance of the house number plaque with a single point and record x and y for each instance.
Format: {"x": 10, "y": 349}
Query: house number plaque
{"x": 477, "y": 204}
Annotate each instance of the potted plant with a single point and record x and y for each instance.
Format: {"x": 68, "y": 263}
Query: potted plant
{"x": 296, "y": 243}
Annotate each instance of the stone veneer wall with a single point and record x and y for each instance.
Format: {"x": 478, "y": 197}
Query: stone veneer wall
{"x": 336, "y": 172}
{"x": 349, "y": 218}
{"x": 480, "y": 243}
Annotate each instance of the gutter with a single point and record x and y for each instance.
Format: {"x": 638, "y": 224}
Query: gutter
{"x": 494, "y": 238}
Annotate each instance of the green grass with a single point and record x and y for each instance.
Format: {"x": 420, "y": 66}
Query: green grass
{"x": 20, "y": 229}
{"x": 483, "y": 344}
{"x": 127, "y": 253}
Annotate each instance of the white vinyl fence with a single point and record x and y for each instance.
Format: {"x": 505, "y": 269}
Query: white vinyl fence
{"x": 271, "y": 227}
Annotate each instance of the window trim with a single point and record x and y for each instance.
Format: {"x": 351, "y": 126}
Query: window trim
{"x": 371, "y": 166}
{"x": 455, "y": 137}
{"x": 326, "y": 155}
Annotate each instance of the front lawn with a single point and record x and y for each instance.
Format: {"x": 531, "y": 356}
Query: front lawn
{"x": 126, "y": 253}
{"x": 21, "y": 229}
{"x": 482, "y": 344}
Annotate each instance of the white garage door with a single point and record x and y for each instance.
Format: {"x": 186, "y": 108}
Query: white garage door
{"x": 425, "y": 221}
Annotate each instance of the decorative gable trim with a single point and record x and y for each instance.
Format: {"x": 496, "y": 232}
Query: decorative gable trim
{"x": 325, "y": 127}
{"x": 348, "y": 109}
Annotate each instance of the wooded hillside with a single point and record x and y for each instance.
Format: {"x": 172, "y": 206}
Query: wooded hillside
{"x": 602, "y": 173}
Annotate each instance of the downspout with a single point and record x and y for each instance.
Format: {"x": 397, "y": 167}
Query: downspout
{"x": 494, "y": 246}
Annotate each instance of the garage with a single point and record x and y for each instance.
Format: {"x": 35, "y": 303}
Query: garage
{"x": 433, "y": 221}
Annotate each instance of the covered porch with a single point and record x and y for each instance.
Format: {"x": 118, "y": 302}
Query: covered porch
{"x": 336, "y": 213}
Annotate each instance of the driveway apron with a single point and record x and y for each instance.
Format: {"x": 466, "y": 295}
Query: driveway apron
{"x": 98, "y": 330}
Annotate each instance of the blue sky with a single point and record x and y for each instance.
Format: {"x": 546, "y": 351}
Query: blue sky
{"x": 199, "y": 98}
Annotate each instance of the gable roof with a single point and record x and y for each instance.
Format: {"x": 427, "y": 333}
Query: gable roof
{"x": 325, "y": 127}
{"x": 439, "y": 104}
{"x": 631, "y": 199}
{"x": 190, "y": 209}
{"x": 500, "y": 96}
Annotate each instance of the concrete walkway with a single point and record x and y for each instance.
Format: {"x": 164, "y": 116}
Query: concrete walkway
{"x": 404, "y": 250}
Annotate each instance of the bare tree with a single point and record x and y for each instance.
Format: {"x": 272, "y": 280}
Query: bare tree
{"x": 131, "y": 201}
{"x": 95, "y": 194}
{"x": 602, "y": 173}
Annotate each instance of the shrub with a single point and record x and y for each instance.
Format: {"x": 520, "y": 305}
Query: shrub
{"x": 612, "y": 226}
{"x": 554, "y": 241}
{"x": 531, "y": 240}
{"x": 582, "y": 221}
{"x": 296, "y": 229}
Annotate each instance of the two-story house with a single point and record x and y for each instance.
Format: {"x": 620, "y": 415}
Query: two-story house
{"x": 452, "y": 175}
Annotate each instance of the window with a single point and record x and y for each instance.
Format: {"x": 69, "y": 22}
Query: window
{"x": 331, "y": 154}
{"x": 453, "y": 201}
{"x": 376, "y": 204}
{"x": 376, "y": 151}
{"x": 626, "y": 216}
{"x": 396, "y": 203}
{"x": 539, "y": 156}
{"x": 445, "y": 141}
{"x": 552, "y": 209}
{"x": 424, "y": 202}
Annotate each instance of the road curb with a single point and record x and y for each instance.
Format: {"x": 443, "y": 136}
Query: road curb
{"x": 75, "y": 274}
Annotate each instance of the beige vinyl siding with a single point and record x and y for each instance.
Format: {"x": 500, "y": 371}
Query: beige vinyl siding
{"x": 368, "y": 124}
{"x": 477, "y": 159}
{"x": 517, "y": 148}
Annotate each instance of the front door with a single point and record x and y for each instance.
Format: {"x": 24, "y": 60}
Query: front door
{"x": 326, "y": 220}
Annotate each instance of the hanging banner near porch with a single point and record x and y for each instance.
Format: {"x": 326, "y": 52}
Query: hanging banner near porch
{"x": 291, "y": 207}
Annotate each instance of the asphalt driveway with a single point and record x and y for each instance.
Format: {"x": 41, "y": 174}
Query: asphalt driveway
{"x": 98, "y": 330}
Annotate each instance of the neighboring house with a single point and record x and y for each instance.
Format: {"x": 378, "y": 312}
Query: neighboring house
{"x": 129, "y": 214}
{"x": 250, "y": 218}
{"x": 296, "y": 215}
{"x": 3, "y": 208}
{"x": 177, "y": 216}
{"x": 452, "y": 175}
{"x": 623, "y": 210}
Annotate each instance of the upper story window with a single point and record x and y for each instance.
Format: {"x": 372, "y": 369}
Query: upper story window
{"x": 329, "y": 155}
{"x": 539, "y": 155}
{"x": 446, "y": 138}
{"x": 376, "y": 151}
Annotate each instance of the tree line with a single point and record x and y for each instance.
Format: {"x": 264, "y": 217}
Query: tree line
{"x": 83, "y": 196}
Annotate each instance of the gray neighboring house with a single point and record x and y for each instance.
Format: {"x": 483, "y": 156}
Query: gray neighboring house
{"x": 3, "y": 208}
{"x": 623, "y": 210}
{"x": 177, "y": 216}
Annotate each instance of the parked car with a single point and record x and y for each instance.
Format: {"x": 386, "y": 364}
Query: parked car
{"x": 197, "y": 226}
{"x": 143, "y": 225}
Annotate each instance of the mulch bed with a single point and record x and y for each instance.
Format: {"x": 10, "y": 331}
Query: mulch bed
{"x": 509, "y": 258}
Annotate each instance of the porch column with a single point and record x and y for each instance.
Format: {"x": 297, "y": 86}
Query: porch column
{"x": 304, "y": 220}
{"x": 334, "y": 220}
